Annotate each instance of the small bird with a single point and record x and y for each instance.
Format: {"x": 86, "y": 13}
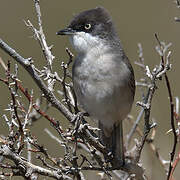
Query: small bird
{"x": 103, "y": 77}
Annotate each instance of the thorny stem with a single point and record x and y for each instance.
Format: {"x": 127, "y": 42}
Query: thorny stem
{"x": 64, "y": 67}
{"x": 172, "y": 125}
{"x": 51, "y": 120}
{"x": 172, "y": 154}
{"x": 147, "y": 111}
{"x": 14, "y": 104}
{"x": 41, "y": 36}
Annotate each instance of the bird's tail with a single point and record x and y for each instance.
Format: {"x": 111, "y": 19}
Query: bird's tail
{"x": 114, "y": 143}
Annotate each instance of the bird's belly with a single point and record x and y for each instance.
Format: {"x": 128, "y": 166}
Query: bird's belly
{"x": 103, "y": 100}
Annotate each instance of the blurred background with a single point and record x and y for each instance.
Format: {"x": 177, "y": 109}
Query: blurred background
{"x": 136, "y": 21}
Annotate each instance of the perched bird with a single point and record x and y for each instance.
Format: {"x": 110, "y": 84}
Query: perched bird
{"x": 103, "y": 77}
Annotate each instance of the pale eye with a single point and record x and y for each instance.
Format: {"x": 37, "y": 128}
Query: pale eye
{"x": 87, "y": 26}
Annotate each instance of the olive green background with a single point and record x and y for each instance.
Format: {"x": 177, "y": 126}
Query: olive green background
{"x": 136, "y": 21}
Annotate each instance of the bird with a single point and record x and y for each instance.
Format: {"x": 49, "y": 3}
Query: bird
{"x": 102, "y": 75}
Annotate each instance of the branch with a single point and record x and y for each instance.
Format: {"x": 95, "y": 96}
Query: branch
{"x": 41, "y": 36}
{"x": 29, "y": 167}
{"x": 162, "y": 51}
{"x": 30, "y": 68}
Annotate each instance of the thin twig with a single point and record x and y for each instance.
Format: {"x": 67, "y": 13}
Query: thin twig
{"x": 42, "y": 39}
{"x": 171, "y": 108}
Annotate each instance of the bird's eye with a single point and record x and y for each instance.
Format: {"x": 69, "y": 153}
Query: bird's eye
{"x": 87, "y": 26}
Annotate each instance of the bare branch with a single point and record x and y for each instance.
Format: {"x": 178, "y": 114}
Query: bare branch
{"x": 41, "y": 36}
{"x": 22, "y": 163}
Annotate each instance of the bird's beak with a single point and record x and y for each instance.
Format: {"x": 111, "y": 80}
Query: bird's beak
{"x": 67, "y": 31}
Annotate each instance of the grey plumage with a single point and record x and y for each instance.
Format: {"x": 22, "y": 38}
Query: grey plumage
{"x": 103, "y": 77}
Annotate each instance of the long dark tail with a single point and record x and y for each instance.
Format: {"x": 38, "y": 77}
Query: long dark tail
{"x": 114, "y": 143}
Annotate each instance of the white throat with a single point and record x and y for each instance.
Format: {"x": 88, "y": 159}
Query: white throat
{"x": 85, "y": 42}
